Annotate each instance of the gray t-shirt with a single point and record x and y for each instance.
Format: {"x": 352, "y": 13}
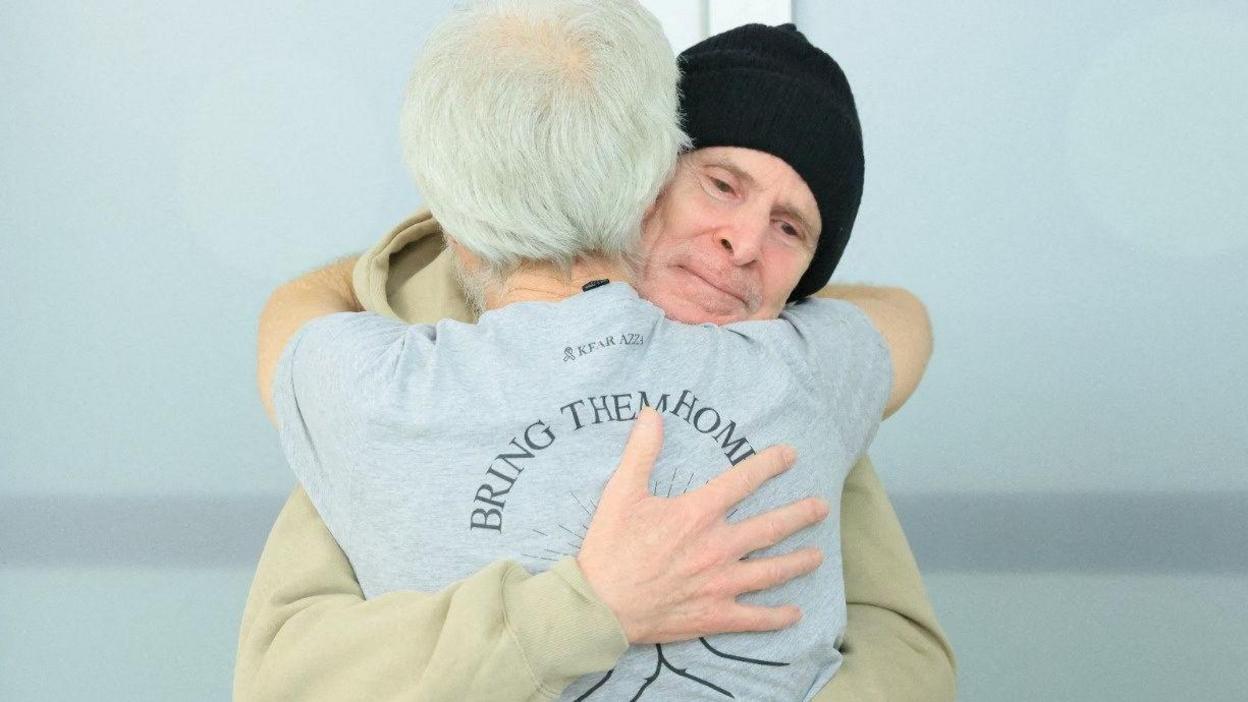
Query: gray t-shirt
{"x": 432, "y": 450}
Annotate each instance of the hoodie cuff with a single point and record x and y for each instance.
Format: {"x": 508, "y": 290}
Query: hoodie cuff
{"x": 561, "y": 627}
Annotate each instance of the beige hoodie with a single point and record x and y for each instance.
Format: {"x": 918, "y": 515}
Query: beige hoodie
{"x": 503, "y": 634}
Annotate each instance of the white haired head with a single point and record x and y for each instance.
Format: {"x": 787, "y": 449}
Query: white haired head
{"x": 541, "y": 130}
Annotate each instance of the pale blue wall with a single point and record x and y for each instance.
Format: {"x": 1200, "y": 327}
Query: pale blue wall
{"x": 1066, "y": 186}
{"x": 1063, "y": 184}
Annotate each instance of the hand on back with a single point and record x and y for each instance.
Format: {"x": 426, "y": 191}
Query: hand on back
{"x": 671, "y": 568}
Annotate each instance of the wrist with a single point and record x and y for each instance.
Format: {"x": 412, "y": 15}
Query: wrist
{"x": 602, "y": 592}
{"x": 563, "y": 629}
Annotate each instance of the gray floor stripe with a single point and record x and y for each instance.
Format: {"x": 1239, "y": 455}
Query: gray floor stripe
{"x": 1142, "y": 533}
{"x": 170, "y": 532}
{"x": 1001, "y": 533}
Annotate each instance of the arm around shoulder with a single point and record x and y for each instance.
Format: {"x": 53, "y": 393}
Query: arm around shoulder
{"x": 501, "y": 634}
{"x": 322, "y": 292}
{"x": 901, "y": 319}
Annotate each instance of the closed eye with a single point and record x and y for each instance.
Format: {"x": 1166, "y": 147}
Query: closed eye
{"x": 790, "y": 230}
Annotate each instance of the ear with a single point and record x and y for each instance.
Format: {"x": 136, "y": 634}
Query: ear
{"x": 648, "y": 222}
{"x": 645, "y": 217}
{"x": 467, "y": 259}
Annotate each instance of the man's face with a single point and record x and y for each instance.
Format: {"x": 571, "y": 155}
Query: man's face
{"x": 728, "y": 238}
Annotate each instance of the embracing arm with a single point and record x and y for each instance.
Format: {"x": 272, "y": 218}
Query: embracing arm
{"x": 307, "y": 631}
{"x": 322, "y": 292}
{"x": 894, "y": 648}
{"x": 309, "y": 634}
{"x": 902, "y": 320}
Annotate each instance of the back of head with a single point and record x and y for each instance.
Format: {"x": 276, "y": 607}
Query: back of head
{"x": 771, "y": 90}
{"x": 541, "y": 130}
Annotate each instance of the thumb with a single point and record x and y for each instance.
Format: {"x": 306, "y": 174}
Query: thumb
{"x": 632, "y": 473}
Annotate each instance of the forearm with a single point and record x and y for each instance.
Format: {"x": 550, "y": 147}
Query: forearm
{"x": 500, "y": 634}
{"x": 851, "y": 292}
{"x": 894, "y": 648}
{"x": 902, "y": 321}
{"x": 322, "y": 292}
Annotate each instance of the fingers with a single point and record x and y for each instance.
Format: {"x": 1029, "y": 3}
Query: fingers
{"x": 770, "y": 528}
{"x": 734, "y": 484}
{"x": 763, "y": 573}
{"x": 632, "y": 474}
{"x": 741, "y": 617}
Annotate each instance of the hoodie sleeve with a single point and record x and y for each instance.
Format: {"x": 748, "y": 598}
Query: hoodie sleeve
{"x": 307, "y": 631}
{"x": 308, "y": 634}
{"x": 894, "y": 649}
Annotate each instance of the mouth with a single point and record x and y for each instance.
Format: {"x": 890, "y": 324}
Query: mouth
{"x": 713, "y": 285}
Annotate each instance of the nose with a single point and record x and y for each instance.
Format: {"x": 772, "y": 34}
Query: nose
{"x": 743, "y": 241}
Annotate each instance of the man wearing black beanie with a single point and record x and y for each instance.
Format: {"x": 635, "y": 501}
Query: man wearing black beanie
{"x": 777, "y": 142}
{"x": 791, "y": 100}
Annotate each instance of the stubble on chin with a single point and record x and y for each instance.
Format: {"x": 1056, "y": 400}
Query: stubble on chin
{"x": 663, "y": 283}
{"x": 689, "y": 310}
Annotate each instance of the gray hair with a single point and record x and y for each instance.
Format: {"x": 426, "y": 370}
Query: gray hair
{"x": 542, "y": 130}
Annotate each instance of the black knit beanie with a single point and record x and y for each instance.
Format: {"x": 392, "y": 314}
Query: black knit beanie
{"x": 769, "y": 89}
